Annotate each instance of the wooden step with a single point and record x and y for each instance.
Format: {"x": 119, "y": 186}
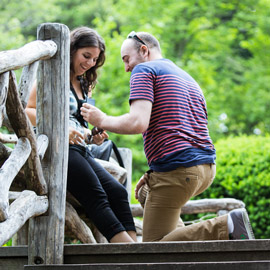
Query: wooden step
{"x": 258, "y": 265}
{"x": 208, "y": 251}
{"x": 14, "y": 258}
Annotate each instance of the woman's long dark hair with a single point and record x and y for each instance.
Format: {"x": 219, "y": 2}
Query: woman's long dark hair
{"x": 82, "y": 37}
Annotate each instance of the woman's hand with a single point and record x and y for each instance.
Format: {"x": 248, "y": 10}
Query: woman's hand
{"x": 100, "y": 137}
{"x": 96, "y": 139}
{"x": 75, "y": 137}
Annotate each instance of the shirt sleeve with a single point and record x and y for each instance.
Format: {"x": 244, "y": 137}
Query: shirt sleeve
{"x": 142, "y": 83}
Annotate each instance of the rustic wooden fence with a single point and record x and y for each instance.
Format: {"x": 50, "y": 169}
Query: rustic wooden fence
{"x": 37, "y": 211}
{"x": 40, "y": 164}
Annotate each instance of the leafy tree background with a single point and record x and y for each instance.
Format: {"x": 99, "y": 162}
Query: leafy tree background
{"x": 223, "y": 44}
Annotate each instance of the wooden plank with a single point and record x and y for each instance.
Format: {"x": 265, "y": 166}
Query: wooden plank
{"x": 258, "y": 265}
{"x": 46, "y": 233}
{"x": 9, "y": 170}
{"x": 248, "y": 250}
{"x": 13, "y": 258}
{"x": 29, "y": 53}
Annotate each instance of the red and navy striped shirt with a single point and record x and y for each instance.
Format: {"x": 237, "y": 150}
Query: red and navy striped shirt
{"x": 177, "y": 134}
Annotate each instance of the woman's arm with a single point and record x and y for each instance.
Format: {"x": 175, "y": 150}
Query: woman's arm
{"x": 32, "y": 105}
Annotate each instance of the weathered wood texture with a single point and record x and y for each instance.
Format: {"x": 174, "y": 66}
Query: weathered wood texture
{"x": 77, "y": 226}
{"x": 126, "y": 155}
{"x": 199, "y": 206}
{"x": 115, "y": 170}
{"x": 14, "y": 258}
{"x": 29, "y": 53}
{"x": 258, "y": 265}
{"x": 8, "y": 172}
{"x": 5, "y": 152}
{"x": 4, "y": 81}
{"x": 23, "y": 128}
{"x": 29, "y": 74}
{"x": 46, "y": 233}
{"x": 8, "y": 138}
{"x": 26, "y": 206}
{"x": 42, "y": 145}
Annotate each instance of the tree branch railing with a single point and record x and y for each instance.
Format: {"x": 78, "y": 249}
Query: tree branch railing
{"x": 37, "y": 165}
{"x": 11, "y": 104}
{"x": 26, "y": 157}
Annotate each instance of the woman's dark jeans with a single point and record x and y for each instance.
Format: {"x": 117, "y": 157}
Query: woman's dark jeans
{"x": 104, "y": 199}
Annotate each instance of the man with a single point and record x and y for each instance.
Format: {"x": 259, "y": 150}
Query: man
{"x": 168, "y": 107}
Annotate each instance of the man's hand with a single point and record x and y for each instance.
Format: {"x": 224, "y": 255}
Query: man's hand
{"x": 92, "y": 114}
{"x": 140, "y": 183}
{"x": 134, "y": 122}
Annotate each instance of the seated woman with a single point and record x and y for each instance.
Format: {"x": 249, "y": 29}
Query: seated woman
{"x": 104, "y": 199}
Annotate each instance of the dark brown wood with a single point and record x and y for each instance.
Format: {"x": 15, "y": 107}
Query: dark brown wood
{"x": 23, "y": 128}
{"x": 46, "y": 233}
{"x": 76, "y": 227}
{"x": 5, "y": 152}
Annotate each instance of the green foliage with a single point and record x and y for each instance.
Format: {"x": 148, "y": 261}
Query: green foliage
{"x": 243, "y": 173}
{"x": 8, "y": 243}
{"x": 224, "y": 45}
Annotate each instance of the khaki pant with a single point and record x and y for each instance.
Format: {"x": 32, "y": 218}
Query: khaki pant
{"x": 168, "y": 192}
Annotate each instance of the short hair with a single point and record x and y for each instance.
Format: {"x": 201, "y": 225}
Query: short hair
{"x": 148, "y": 39}
{"x": 82, "y": 37}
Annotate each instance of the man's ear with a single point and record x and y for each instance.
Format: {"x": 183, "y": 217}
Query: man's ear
{"x": 144, "y": 50}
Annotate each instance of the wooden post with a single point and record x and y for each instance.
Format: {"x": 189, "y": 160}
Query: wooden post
{"x": 46, "y": 233}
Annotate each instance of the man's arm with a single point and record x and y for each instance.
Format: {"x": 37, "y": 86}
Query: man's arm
{"x": 134, "y": 122}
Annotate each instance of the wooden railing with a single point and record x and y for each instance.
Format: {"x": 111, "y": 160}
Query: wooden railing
{"x": 37, "y": 166}
{"x": 39, "y": 161}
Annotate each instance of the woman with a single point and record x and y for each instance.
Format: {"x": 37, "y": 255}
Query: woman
{"x": 104, "y": 199}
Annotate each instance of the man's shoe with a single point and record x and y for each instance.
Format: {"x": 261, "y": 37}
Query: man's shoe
{"x": 242, "y": 228}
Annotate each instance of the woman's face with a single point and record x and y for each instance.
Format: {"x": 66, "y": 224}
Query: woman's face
{"x": 84, "y": 58}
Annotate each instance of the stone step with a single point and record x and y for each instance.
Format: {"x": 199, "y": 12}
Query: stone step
{"x": 256, "y": 265}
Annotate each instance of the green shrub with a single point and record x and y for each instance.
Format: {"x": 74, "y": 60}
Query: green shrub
{"x": 243, "y": 172}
